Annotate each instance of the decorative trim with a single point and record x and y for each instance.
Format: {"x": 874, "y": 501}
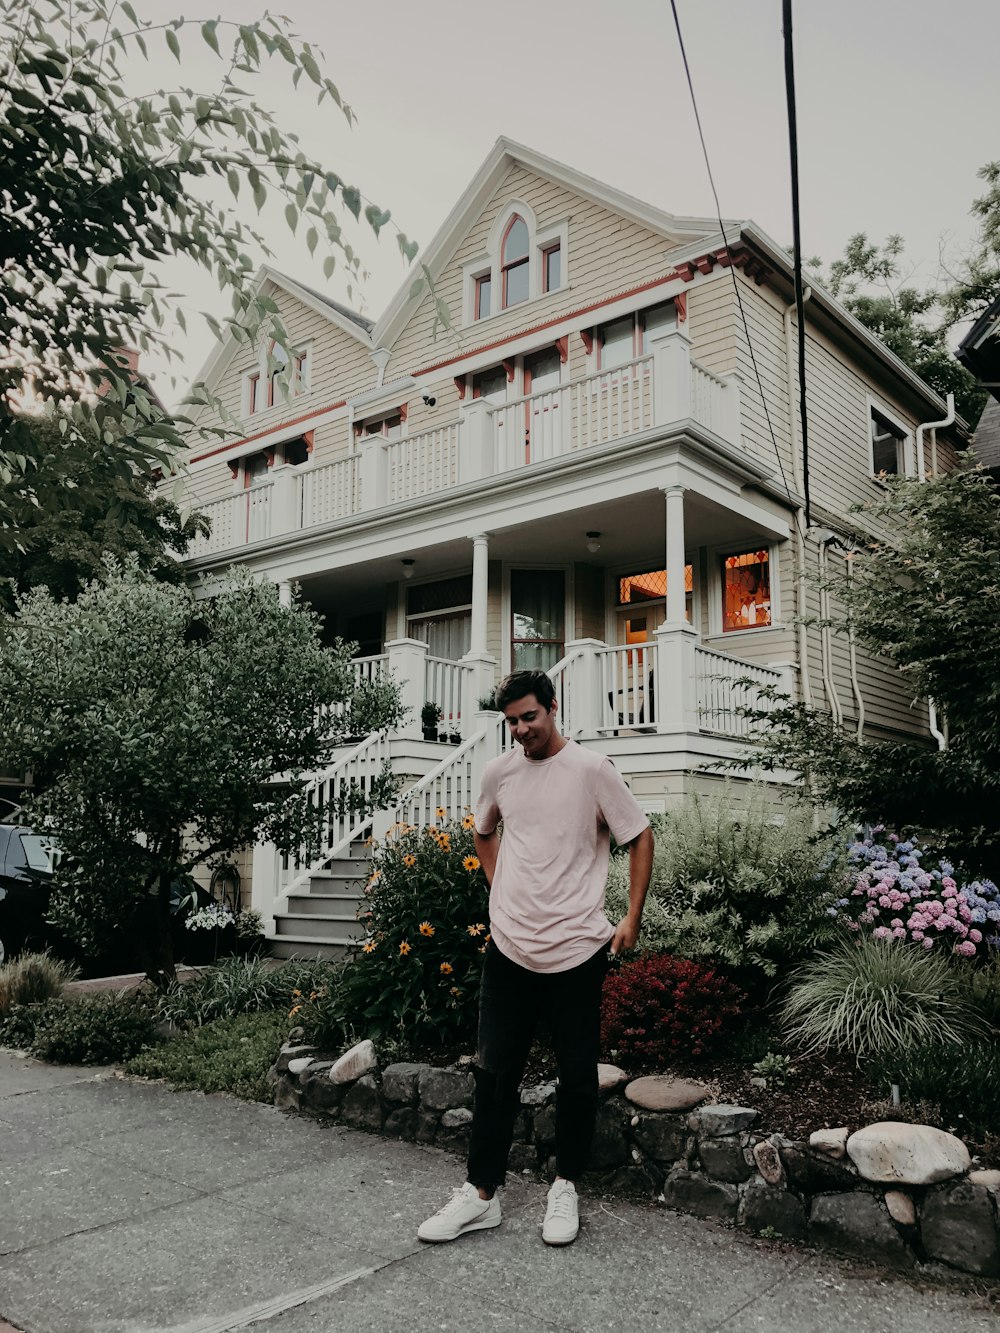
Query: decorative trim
{"x": 562, "y": 347}
{"x": 278, "y": 425}
{"x": 681, "y": 306}
{"x": 587, "y": 338}
{"x": 460, "y": 386}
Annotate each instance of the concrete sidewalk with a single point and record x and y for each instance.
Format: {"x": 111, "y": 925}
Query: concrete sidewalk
{"x": 125, "y": 1206}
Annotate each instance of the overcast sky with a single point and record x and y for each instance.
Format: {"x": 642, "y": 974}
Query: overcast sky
{"x": 898, "y": 106}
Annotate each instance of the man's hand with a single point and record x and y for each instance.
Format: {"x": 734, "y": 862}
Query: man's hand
{"x": 625, "y": 936}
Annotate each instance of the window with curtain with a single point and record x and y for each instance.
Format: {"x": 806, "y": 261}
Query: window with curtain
{"x": 746, "y": 590}
{"x": 537, "y": 611}
{"x": 440, "y": 615}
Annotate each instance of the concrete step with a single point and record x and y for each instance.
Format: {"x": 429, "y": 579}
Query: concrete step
{"x": 338, "y": 881}
{"x": 291, "y": 946}
{"x": 314, "y": 903}
{"x": 339, "y": 928}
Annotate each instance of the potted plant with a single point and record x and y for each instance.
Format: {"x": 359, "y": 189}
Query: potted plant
{"x": 487, "y": 703}
{"x": 430, "y": 715}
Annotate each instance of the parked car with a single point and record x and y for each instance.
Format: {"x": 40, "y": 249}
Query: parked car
{"x": 26, "y": 862}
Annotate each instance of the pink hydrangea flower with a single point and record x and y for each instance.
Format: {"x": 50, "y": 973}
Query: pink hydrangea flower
{"x": 967, "y": 949}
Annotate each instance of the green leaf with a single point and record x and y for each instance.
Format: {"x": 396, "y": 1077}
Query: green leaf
{"x": 416, "y": 288}
{"x": 312, "y": 239}
{"x": 292, "y": 216}
{"x": 377, "y": 218}
{"x": 329, "y": 264}
{"x": 208, "y": 32}
{"x": 352, "y": 200}
{"x": 173, "y": 44}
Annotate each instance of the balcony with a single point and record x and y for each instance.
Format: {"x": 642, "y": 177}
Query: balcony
{"x": 488, "y": 441}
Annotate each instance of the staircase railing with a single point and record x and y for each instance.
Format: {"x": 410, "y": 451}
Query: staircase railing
{"x": 453, "y": 785}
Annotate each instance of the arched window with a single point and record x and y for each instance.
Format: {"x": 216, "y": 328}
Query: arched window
{"x": 278, "y": 360}
{"x": 514, "y": 254}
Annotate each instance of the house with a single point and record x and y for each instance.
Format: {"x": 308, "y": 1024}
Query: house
{"x": 598, "y": 472}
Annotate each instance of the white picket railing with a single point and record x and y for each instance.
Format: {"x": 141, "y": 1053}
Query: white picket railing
{"x": 708, "y": 399}
{"x": 531, "y": 429}
{"x": 725, "y": 686}
{"x": 357, "y": 770}
{"x": 613, "y": 403}
{"x": 368, "y": 668}
{"x": 422, "y": 464}
{"x": 627, "y": 686}
{"x": 443, "y": 686}
{"x": 227, "y": 528}
{"x": 453, "y": 785}
{"x": 258, "y": 512}
{"x": 329, "y": 492}
{"x": 568, "y": 719}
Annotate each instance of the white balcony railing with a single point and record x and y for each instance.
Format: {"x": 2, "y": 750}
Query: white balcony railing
{"x": 422, "y": 464}
{"x": 443, "y": 685}
{"x": 328, "y": 492}
{"x": 613, "y": 404}
{"x": 628, "y": 686}
{"x": 726, "y": 685}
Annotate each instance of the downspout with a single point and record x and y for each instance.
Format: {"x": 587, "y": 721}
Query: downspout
{"x": 826, "y": 647}
{"x": 799, "y": 518}
{"x": 932, "y": 716}
{"x": 853, "y": 651}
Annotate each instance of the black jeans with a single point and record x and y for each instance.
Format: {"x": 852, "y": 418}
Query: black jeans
{"x": 511, "y": 1003}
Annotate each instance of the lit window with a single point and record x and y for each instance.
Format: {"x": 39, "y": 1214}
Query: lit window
{"x": 746, "y": 590}
{"x": 651, "y": 586}
{"x": 551, "y": 268}
{"x": 514, "y": 262}
{"x": 483, "y": 295}
{"x": 888, "y": 441}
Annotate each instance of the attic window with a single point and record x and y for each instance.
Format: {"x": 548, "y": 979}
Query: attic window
{"x": 514, "y": 265}
{"x": 888, "y": 446}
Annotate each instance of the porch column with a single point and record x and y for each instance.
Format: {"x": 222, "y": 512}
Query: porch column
{"x": 407, "y": 664}
{"x": 265, "y": 883}
{"x": 676, "y": 640}
{"x": 479, "y": 676}
{"x": 284, "y": 592}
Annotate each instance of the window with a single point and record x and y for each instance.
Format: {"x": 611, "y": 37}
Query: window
{"x": 490, "y": 384}
{"x": 551, "y": 268}
{"x": 277, "y": 361}
{"x": 482, "y": 296}
{"x": 253, "y": 394}
{"x": 273, "y": 372}
{"x": 389, "y": 428}
{"x": 746, "y": 590}
{"x": 440, "y": 615}
{"x": 622, "y": 340}
{"x": 537, "y": 604}
{"x": 888, "y": 442}
{"x": 651, "y": 586}
{"x": 514, "y": 266}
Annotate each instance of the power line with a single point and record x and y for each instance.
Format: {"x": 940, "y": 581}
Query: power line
{"x": 800, "y": 314}
{"x": 725, "y": 242}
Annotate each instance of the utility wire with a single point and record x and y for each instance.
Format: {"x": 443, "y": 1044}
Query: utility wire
{"x": 800, "y": 314}
{"x": 725, "y": 242}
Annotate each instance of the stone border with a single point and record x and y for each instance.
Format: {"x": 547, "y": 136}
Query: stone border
{"x": 662, "y": 1138}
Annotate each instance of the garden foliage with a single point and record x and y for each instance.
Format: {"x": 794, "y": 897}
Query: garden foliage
{"x": 240, "y": 986}
{"x": 961, "y": 1082}
{"x": 745, "y": 886}
{"x": 32, "y": 978}
{"x": 870, "y": 996}
{"x": 92, "y": 1030}
{"x": 658, "y": 1008}
{"x": 416, "y": 975}
{"x": 231, "y": 1054}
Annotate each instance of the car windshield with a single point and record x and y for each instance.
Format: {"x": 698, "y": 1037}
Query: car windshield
{"x": 39, "y": 852}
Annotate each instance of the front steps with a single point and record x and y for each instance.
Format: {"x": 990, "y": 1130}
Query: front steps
{"x": 321, "y": 922}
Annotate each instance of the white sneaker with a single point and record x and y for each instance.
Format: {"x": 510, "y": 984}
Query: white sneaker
{"x": 562, "y": 1215}
{"x": 464, "y": 1211}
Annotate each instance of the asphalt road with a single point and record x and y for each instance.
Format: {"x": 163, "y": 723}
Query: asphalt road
{"x": 126, "y": 1206}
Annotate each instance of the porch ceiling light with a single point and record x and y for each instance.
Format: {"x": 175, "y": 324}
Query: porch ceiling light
{"x": 593, "y": 545}
{"x": 407, "y": 568}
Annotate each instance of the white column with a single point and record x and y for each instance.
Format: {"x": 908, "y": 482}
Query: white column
{"x": 675, "y": 555}
{"x": 671, "y": 377}
{"x": 407, "y": 664}
{"x": 582, "y": 705}
{"x": 284, "y": 592}
{"x": 479, "y": 676}
{"x": 373, "y": 464}
{"x": 480, "y": 592}
{"x": 475, "y": 441}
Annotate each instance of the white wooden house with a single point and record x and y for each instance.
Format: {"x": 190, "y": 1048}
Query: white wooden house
{"x": 599, "y": 473}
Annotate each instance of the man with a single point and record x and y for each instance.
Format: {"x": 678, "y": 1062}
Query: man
{"x": 547, "y": 955}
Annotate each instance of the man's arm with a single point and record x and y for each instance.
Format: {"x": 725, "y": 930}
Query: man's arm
{"x": 640, "y": 867}
{"x": 487, "y": 847}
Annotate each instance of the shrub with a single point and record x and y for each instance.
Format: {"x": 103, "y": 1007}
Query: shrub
{"x": 238, "y": 986}
{"x": 961, "y": 1081}
{"x": 741, "y": 885}
{"x": 891, "y": 894}
{"x": 32, "y": 978}
{"x": 416, "y": 975}
{"x": 231, "y": 1054}
{"x": 871, "y": 996}
{"x": 93, "y": 1030}
{"x": 658, "y": 1007}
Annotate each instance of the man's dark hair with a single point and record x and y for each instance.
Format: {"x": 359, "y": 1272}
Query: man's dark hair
{"x": 521, "y": 683}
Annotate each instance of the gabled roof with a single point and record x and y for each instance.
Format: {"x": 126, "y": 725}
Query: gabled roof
{"x": 986, "y": 440}
{"x": 979, "y": 350}
{"x": 504, "y": 155}
{"x": 347, "y": 320}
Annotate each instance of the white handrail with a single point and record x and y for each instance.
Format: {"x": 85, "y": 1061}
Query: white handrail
{"x": 726, "y": 686}
{"x": 451, "y": 785}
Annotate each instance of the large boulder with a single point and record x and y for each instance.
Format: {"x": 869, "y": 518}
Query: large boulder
{"x": 362, "y": 1105}
{"x": 765, "y": 1208}
{"x": 354, "y": 1064}
{"x": 445, "y": 1089}
{"x": 892, "y": 1153}
{"x": 958, "y": 1227}
{"x": 661, "y": 1092}
{"x": 400, "y": 1082}
{"x": 857, "y": 1224}
{"x": 691, "y": 1192}
{"x": 717, "y": 1121}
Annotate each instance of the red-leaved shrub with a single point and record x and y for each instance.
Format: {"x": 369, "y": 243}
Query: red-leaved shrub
{"x": 660, "y": 1007}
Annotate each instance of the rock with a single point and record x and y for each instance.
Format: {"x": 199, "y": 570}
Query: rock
{"x": 522, "y": 1158}
{"x": 718, "y": 1121}
{"x": 724, "y": 1159}
{"x": 856, "y": 1224}
{"x": 610, "y": 1077}
{"x": 288, "y": 1053}
{"x": 608, "y": 1147}
{"x": 287, "y": 1096}
{"x": 400, "y": 1082}
{"x": 762, "y": 1206}
{"x": 299, "y": 1065}
{"x": 813, "y": 1172}
{"x": 661, "y": 1137}
{"x": 458, "y": 1116}
{"x": 690, "y": 1192}
{"x": 453, "y": 1130}
{"x": 958, "y": 1227}
{"x": 661, "y": 1092}
{"x": 830, "y": 1142}
{"x": 901, "y": 1208}
{"x": 354, "y": 1064}
{"x": 768, "y": 1160}
{"x": 362, "y": 1105}
{"x": 988, "y": 1179}
{"x": 539, "y": 1095}
{"x": 318, "y": 1093}
{"x": 427, "y": 1126}
{"x": 545, "y": 1126}
{"x": 894, "y": 1153}
{"x": 443, "y": 1089}
{"x": 296, "y": 1034}
{"x": 401, "y": 1123}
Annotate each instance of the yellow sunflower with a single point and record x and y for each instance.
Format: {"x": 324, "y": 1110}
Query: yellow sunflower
{"x": 471, "y": 863}
{"x": 405, "y": 948}
{"x": 444, "y": 841}
{"x": 447, "y": 969}
{"x": 477, "y": 929}
{"x": 409, "y": 859}
{"x": 469, "y": 822}
{"x": 426, "y": 928}
{"x": 440, "y": 812}
{"x": 369, "y": 946}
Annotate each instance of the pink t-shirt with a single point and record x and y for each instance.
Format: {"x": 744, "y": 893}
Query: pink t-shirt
{"x": 547, "y": 897}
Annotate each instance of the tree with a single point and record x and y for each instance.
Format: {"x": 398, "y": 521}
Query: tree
{"x": 72, "y": 524}
{"x": 929, "y": 601}
{"x": 976, "y": 281}
{"x": 156, "y": 723}
{"x": 98, "y": 185}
